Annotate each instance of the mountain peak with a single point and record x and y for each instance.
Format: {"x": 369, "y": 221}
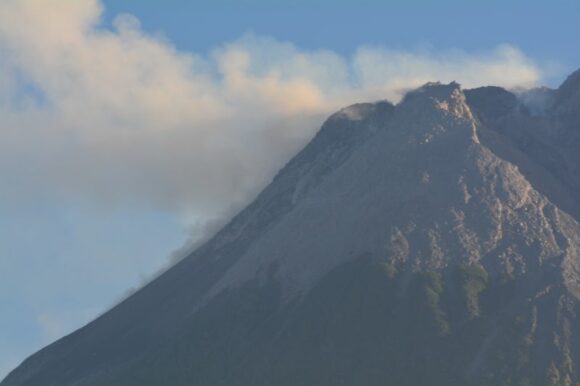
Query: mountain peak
{"x": 416, "y": 238}
{"x": 408, "y": 183}
{"x": 447, "y": 98}
{"x": 572, "y": 81}
{"x": 435, "y": 90}
{"x": 567, "y": 100}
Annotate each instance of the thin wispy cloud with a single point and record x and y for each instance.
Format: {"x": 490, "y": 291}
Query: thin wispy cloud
{"x": 119, "y": 116}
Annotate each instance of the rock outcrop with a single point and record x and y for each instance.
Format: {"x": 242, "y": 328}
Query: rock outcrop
{"x": 434, "y": 242}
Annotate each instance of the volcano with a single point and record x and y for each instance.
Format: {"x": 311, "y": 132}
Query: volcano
{"x": 432, "y": 242}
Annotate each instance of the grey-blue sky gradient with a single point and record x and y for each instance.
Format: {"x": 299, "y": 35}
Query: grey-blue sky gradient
{"x": 122, "y": 136}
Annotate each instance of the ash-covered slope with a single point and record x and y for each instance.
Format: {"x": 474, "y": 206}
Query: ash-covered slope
{"x": 434, "y": 242}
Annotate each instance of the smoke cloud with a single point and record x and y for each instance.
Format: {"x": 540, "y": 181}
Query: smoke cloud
{"x": 118, "y": 116}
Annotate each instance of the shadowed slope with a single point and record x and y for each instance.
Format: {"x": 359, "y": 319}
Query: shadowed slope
{"x": 422, "y": 244}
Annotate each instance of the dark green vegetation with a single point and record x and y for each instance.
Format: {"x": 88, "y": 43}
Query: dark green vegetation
{"x": 363, "y": 324}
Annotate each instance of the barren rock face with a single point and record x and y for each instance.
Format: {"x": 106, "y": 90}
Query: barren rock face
{"x": 425, "y": 181}
{"x": 567, "y": 100}
{"x": 434, "y": 242}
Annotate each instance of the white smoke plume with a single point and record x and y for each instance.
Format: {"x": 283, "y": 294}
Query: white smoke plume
{"x": 121, "y": 117}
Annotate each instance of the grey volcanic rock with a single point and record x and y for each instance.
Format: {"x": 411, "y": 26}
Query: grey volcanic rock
{"x": 429, "y": 183}
{"x": 435, "y": 242}
{"x": 567, "y": 100}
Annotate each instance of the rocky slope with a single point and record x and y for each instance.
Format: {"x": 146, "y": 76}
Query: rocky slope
{"x": 434, "y": 242}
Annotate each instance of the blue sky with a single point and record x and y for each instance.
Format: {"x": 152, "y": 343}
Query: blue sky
{"x": 546, "y": 31}
{"x": 120, "y": 143}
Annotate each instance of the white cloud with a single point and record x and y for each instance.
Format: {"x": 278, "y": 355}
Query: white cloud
{"x": 120, "y": 117}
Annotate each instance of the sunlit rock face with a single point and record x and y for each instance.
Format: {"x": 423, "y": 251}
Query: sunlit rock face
{"x": 435, "y": 242}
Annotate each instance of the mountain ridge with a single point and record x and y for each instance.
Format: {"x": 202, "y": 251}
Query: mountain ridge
{"x": 451, "y": 218}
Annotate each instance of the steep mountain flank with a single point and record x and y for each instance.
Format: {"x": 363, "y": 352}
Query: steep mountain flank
{"x": 435, "y": 242}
